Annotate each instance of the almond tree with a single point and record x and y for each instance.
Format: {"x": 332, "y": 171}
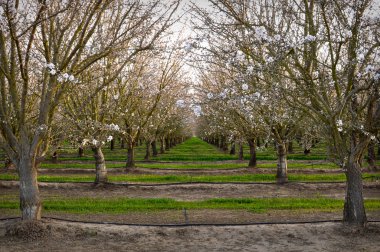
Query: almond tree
{"x": 327, "y": 52}
{"x": 43, "y": 42}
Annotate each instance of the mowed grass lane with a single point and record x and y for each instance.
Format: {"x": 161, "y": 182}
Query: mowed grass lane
{"x": 193, "y": 150}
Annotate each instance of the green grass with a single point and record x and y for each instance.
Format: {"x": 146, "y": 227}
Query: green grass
{"x": 211, "y": 165}
{"x": 153, "y": 178}
{"x": 194, "y": 149}
{"x": 123, "y": 205}
{"x": 79, "y": 165}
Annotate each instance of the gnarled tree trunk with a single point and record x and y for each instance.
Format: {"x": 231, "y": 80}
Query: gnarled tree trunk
{"x": 354, "y": 211}
{"x": 282, "y": 163}
{"x": 252, "y": 151}
{"x": 100, "y": 166}
{"x": 30, "y": 202}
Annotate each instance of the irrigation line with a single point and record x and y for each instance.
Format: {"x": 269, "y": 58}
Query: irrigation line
{"x": 193, "y": 224}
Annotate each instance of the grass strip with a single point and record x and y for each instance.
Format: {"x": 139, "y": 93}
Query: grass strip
{"x": 153, "y": 178}
{"x": 210, "y": 165}
{"x": 122, "y": 205}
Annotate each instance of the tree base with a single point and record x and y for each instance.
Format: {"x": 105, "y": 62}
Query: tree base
{"x": 29, "y": 230}
{"x": 282, "y": 180}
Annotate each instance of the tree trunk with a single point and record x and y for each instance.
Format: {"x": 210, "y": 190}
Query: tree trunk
{"x": 130, "y": 156}
{"x": 282, "y": 164}
{"x": 112, "y": 147}
{"x": 252, "y": 152}
{"x": 162, "y": 146}
{"x": 241, "y": 151}
{"x": 100, "y": 166}
{"x": 30, "y": 202}
{"x": 354, "y": 211}
{"x": 154, "y": 148}
{"x": 147, "y": 151}
{"x": 233, "y": 149}
{"x": 371, "y": 156}
{"x": 290, "y": 147}
{"x": 167, "y": 144}
{"x": 80, "y": 152}
{"x": 54, "y": 157}
{"x": 122, "y": 143}
{"x": 224, "y": 144}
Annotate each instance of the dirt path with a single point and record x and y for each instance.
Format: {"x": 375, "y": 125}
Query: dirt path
{"x": 66, "y": 236}
{"x": 191, "y": 192}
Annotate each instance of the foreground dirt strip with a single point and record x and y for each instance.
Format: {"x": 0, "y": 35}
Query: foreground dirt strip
{"x": 66, "y": 236}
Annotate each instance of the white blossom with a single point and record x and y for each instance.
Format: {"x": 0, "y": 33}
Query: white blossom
{"x": 52, "y": 71}
{"x": 50, "y": 66}
{"x": 188, "y": 46}
{"x": 261, "y": 33}
{"x": 65, "y": 76}
{"x": 244, "y": 87}
{"x": 373, "y": 138}
{"x": 376, "y": 77}
{"x": 339, "y": 123}
{"x": 94, "y": 142}
{"x": 277, "y": 37}
{"x": 347, "y": 34}
{"x": 223, "y": 94}
{"x": 210, "y": 95}
{"x": 197, "y": 110}
{"x": 71, "y": 78}
{"x": 269, "y": 59}
{"x": 309, "y": 38}
{"x": 250, "y": 69}
{"x": 180, "y": 103}
{"x": 361, "y": 57}
{"x": 240, "y": 56}
{"x": 109, "y": 138}
{"x": 369, "y": 69}
{"x": 114, "y": 127}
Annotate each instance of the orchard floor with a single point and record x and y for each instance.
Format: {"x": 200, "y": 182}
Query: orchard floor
{"x": 66, "y": 236}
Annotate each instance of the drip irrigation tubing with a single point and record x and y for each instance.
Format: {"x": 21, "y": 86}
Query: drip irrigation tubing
{"x": 193, "y": 224}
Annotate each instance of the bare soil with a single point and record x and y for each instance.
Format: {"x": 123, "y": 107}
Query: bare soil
{"x": 58, "y": 235}
{"x": 193, "y": 191}
{"x": 68, "y": 236}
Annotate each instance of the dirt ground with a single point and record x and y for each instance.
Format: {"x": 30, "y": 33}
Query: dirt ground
{"x": 194, "y": 191}
{"x": 252, "y": 233}
{"x": 68, "y": 236}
